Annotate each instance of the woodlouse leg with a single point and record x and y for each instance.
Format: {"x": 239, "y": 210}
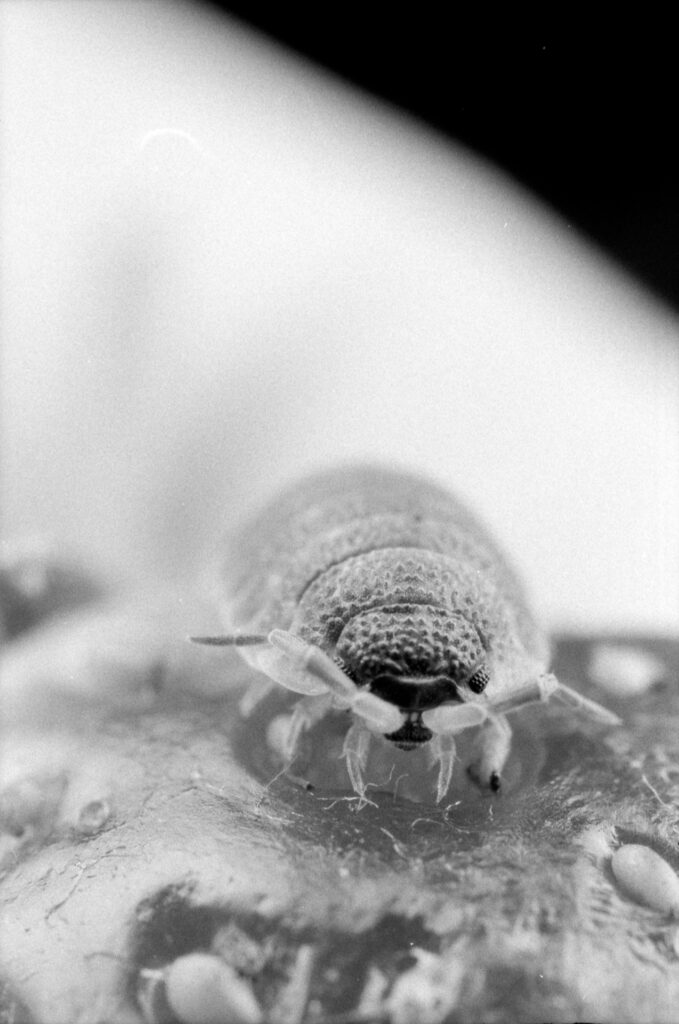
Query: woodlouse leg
{"x": 307, "y": 712}
{"x": 355, "y": 750}
{"x": 495, "y": 738}
{"x": 378, "y": 714}
{"x": 494, "y": 743}
{"x": 442, "y": 752}
{"x": 447, "y": 719}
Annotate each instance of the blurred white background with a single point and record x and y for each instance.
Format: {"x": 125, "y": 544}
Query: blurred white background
{"x": 220, "y": 267}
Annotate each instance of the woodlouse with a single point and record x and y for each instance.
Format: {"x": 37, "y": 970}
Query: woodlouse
{"x": 375, "y": 590}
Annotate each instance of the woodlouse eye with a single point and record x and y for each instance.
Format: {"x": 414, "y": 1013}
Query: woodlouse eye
{"x": 479, "y": 681}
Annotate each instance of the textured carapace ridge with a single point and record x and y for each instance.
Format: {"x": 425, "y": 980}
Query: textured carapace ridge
{"x": 343, "y": 543}
{"x": 409, "y": 640}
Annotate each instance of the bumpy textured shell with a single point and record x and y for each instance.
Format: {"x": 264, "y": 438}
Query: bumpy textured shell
{"x": 333, "y": 555}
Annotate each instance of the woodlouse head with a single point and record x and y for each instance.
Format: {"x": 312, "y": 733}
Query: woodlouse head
{"x": 416, "y": 657}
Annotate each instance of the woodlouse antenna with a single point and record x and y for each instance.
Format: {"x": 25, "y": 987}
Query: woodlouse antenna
{"x": 236, "y": 640}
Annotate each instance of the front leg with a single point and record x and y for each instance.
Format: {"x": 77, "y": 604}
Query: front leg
{"x": 445, "y": 722}
{"x": 355, "y": 750}
{"x": 316, "y": 665}
{"x": 493, "y": 745}
{"x": 286, "y": 735}
{"x": 495, "y": 737}
{"x": 442, "y": 753}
